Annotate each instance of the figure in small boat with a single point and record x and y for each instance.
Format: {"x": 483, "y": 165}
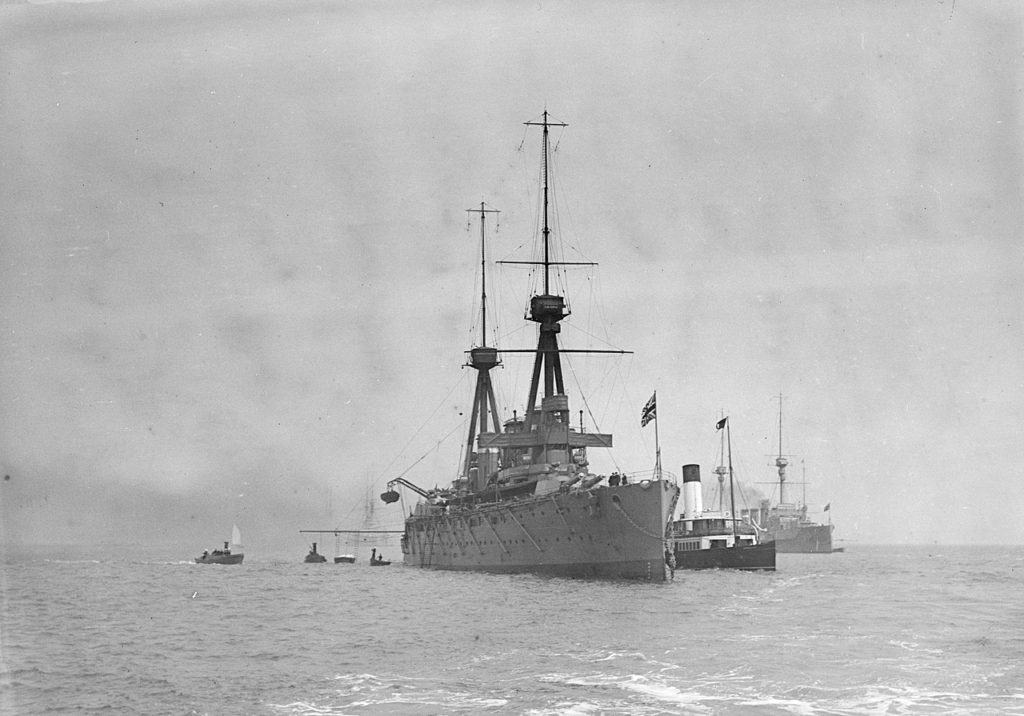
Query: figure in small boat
{"x": 314, "y": 556}
{"x": 224, "y": 556}
{"x": 377, "y": 560}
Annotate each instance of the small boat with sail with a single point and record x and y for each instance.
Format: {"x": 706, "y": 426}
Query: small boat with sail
{"x": 227, "y": 555}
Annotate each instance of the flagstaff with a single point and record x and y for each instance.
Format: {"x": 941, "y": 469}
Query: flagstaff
{"x": 649, "y": 413}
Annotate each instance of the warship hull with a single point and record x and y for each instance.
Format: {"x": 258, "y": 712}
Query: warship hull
{"x": 810, "y": 539}
{"x": 603, "y": 532}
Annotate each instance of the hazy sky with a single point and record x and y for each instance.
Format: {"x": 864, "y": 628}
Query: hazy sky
{"x": 238, "y": 277}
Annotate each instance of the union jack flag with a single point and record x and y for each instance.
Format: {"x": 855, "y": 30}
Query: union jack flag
{"x": 650, "y": 411}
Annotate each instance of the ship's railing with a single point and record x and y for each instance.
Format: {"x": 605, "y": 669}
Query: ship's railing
{"x": 711, "y": 523}
{"x": 434, "y": 506}
{"x": 642, "y": 475}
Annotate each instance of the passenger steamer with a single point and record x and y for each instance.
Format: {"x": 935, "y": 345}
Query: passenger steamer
{"x": 715, "y": 539}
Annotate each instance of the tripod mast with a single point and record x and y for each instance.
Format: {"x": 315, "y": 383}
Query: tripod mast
{"x": 482, "y": 359}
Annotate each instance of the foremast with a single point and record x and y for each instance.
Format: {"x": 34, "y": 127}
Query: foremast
{"x": 482, "y": 359}
{"x": 781, "y": 463}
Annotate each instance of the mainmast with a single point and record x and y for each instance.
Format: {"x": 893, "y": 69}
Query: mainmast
{"x": 482, "y": 358}
{"x": 724, "y": 423}
{"x": 544, "y": 435}
{"x": 732, "y": 492}
{"x": 781, "y": 462}
{"x": 546, "y": 309}
{"x": 544, "y": 165}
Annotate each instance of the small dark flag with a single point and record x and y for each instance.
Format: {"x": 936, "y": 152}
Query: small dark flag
{"x": 650, "y": 411}
{"x": 721, "y": 423}
{"x": 826, "y": 507}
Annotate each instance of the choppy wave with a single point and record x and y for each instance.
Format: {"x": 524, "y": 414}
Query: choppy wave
{"x": 871, "y": 633}
{"x": 369, "y": 693}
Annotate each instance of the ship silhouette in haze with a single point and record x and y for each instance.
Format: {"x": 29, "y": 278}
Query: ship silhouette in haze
{"x": 525, "y": 499}
{"x": 787, "y": 523}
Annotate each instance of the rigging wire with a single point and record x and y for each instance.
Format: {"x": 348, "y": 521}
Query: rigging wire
{"x": 474, "y": 312}
{"x": 444, "y": 400}
{"x": 492, "y": 307}
{"x": 422, "y": 457}
{"x": 586, "y": 403}
{"x": 593, "y": 337}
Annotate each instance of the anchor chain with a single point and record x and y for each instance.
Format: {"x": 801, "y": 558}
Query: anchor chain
{"x": 631, "y": 521}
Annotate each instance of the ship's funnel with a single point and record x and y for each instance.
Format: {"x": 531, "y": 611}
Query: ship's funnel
{"x": 693, "y": 501}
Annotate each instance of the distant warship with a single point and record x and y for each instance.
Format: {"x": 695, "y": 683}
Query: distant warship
{"x": 787, "y": 523}
{"x": 524, "y": 499}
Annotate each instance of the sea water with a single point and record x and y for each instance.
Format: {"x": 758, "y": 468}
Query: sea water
{"x": 874, "y": 630}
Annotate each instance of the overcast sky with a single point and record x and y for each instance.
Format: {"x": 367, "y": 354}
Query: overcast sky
{"x": 237, "y": 276}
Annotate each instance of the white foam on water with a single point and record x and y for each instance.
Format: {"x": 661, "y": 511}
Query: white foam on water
{"x": 609, "y": 656}
{"x": 378, "y": 693}
{"x": 360, "y": 678}
{"x": 634, "y": 684}
{"x": 439, "y": 701}
{"x": 583, "y": 708}
{"x": 909, "y": 699}
{"x": 442, "y": 700}
{"x": 576, "y": 679}
{"x": 605, "y": 655}
{"x": 663, "y": 692}
{"x": 912, "y": 646}
{"x": 303, "y": 708}
{"x": 793, "y": 706}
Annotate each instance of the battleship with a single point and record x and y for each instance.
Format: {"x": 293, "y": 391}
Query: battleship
{"x": 524, "y": 499}
{"x": 787, "y": 522}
